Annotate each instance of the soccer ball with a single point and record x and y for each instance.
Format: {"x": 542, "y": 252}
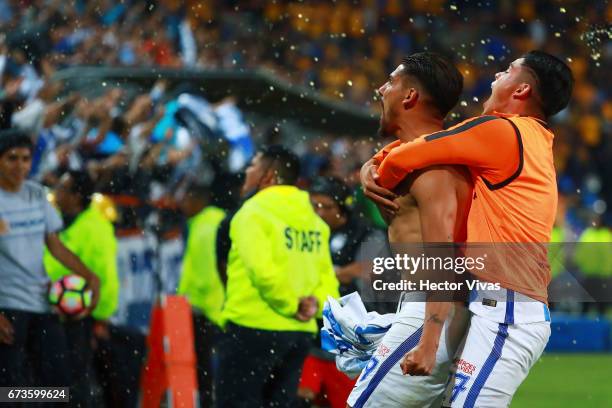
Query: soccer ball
{"x": 70, "y": 296}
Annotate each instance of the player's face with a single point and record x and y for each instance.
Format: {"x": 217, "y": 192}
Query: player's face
{"x": 391, "y": 94}
{"x": 64, "y": 197}
{"x": 253, "y": 175}
{"x": 328, "y": 210}
{"x": 504, "y": 85}
{"x": 15, "y": 166}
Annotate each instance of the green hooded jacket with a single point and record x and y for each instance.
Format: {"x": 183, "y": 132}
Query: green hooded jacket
{"x": 200, "y": 281}
{"x": 279, "y": 254}
{"x": 592, "y": 254}
{"x": 92, "y": 238}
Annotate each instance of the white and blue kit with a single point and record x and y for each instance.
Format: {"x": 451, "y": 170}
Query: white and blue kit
{"x": 382, "y": 383}
{"x": 26, "y": 217}
{"x": 507, "y": 335}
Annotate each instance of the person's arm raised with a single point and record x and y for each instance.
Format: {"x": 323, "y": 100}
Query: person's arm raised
{"x": 489, "y": 144}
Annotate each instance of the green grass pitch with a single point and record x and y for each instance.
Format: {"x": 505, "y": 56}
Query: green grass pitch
{"x": 567, "y": 380}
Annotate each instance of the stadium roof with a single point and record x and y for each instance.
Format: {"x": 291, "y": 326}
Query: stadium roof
{"x": 256, "y": 90}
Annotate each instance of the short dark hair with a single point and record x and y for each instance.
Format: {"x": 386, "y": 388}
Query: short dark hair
{"x": 13, "y": 138}
{"x": 198, "y": 189}
{"x": 439, "y": 77}
{"x": 284, "y": 162}
{"x": 555, "y": 80}
{"x": 82, "y": 184}
{"x": 334, "y": 188}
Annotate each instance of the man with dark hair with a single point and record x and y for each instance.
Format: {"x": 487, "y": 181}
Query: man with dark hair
{"x": 200, "y": 281}
{"x": 28, "y": 222}
{"x": 279, "y": 272}
{"x": 440, "y": 81}
{"x": 284, "y": 164}
{"x": 332, "y": 201}
{"x": 82, "y": 223}
{"x": 432, "y": 208}
{"x": 321, "y": 382}
{"x": 508, "y": 151}
{"x": 249, "y": 187}
{"x": 553, "y": 80}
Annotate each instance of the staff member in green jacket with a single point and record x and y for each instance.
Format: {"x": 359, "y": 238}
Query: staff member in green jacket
{"x": 200, "y": 281}
{"x": 279, "y": 274}
{"x": 92, "y": 238}
{"x": 593, "y": 258}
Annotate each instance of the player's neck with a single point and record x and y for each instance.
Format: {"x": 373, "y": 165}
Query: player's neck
{"x": 73, "y": 211}
{"x": 8, "y": 186}
{"x": 522, "y": 109}
{"x": 415, "y": 126}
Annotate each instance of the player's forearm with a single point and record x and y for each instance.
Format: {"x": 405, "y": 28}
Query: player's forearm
{"x": 272, "y": 288}
{"x": 378, "y": 157}
{"x": 66, "y": 257}
{"x": 414, "y": 155}
{"x": 436, "y": 314}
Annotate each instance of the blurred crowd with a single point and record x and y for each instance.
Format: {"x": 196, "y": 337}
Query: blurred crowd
{"x": 343, "y": 49}
{"x": 162, "y": 152}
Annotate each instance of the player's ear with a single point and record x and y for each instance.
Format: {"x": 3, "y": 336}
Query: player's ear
{"x": 522, "y": 91}
{"x": 270, "y": 178}
{"x": 410, "y": 98}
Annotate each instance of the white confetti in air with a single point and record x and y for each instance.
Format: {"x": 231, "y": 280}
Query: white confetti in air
{"x": 595, "y": 40}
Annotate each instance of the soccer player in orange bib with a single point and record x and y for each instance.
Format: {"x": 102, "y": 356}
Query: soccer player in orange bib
{"x": 508, "y": 151}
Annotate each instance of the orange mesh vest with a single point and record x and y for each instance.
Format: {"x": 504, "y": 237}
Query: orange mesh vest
{"x": 515, "y": 191}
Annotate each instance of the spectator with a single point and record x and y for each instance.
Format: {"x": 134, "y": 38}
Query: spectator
{"x": 332, "y": 201}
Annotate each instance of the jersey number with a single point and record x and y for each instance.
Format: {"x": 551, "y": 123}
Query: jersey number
{"x": 460, "y": 381}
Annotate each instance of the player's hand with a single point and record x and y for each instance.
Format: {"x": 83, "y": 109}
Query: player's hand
{"x": 6, "y": 330}
{"x": 380, "y": 195}
{"x": 93, "y": 284}
{"x": 307, "y": 308}
{"x": 101, "y": 330}
{"x": 421, "y": 360}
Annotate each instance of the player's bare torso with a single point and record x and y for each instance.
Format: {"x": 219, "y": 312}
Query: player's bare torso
{"x": 405, "y": 226}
